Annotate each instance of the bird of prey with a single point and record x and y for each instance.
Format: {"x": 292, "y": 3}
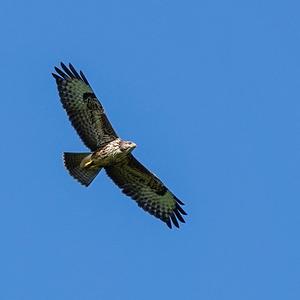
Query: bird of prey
{"x": 109, "y": 151}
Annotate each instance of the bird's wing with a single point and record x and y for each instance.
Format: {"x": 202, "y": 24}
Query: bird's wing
{"x": 83, "y": 108}
{"x": 147, "y": 190}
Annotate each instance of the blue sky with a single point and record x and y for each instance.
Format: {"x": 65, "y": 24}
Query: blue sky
{"x": 209, "y": 90}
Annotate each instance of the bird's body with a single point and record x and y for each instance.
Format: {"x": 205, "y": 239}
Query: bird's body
{"x": 110, "y": 154}
{"x": 109, "y": 151}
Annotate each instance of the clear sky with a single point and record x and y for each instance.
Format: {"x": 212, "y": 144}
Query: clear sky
{"x": 210, "y": 91}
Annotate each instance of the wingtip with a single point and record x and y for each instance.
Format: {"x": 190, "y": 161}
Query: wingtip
{"x": 73, "y": 70}
{"x": 69, "y": 72}
{"x": 168, "y": 222}
{"x": 181, "y": 210}
{"x": 174, "y": 220}
{"x": 56, "y": 77}
{"x": 63, "y": 65}
{"x": 84, "y": 78}
{"x": 179, "y": 216}
{"x": 178, "y": 201}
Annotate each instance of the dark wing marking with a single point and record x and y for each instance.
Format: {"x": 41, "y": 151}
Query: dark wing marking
{"x": 147, "y": 190}
{"x": 83, "y": 108}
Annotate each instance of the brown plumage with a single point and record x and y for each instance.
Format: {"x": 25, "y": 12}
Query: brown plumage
{"x": 109, "y": 151}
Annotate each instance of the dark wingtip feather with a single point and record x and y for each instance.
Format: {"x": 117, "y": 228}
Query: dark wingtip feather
{"x": 63, "y": 65}
{"x": 178, "y": 201}
{"x": 181, "y": 209}
{"x": 179, "y": 216}
{"x": 84, "y": 78}
{"x": 61, "y": 73}
{"x": 69, "y": 73}
{"x": 57, "y": 78}
{"x": 174, "y": 220}
{"x": 74, "y": 72}
{"x": 168, "y": 222}
{"x": 65, "y": 68}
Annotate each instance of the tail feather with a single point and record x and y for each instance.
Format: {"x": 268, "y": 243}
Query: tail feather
{"x": 72, "y": 163}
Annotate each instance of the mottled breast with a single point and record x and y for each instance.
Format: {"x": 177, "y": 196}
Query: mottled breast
{"x": 109, "y": 154}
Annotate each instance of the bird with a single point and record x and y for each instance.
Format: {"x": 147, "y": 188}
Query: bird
{"x": 108, "y": 151}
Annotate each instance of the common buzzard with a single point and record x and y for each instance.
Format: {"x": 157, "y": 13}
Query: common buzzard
{"x": 109, "y": 151}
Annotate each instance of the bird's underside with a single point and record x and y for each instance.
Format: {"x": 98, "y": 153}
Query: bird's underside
{"x": 108, "y": 151}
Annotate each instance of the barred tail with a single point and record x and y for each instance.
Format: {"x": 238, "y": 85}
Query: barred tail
{"x": 72, "y": 163}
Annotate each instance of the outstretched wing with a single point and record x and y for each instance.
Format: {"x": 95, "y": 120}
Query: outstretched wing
{"x": 83, "y": 108}
{"x": 147, "y": 190}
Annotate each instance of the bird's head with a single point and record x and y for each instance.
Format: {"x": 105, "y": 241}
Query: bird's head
{"x": 127, "y": 146}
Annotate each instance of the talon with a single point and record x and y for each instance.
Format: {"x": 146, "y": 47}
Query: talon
{"x": 88, "y": 163}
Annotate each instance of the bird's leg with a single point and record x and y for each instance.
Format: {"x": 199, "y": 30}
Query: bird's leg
{"x": 87, "y": 162}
